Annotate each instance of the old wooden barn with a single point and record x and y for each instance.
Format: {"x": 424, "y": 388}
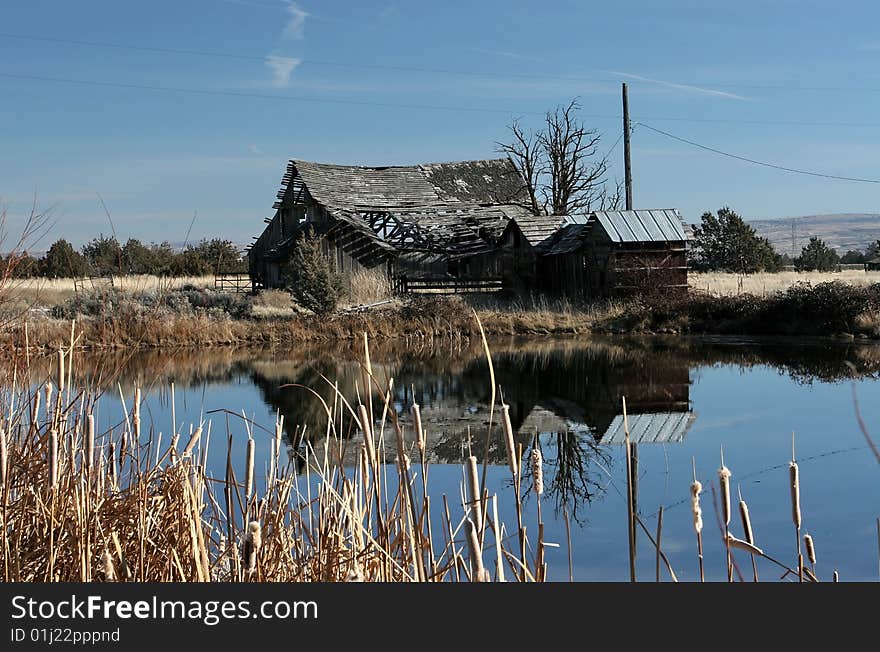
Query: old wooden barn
{"x": 422, "y": 225}
{"x": 465, "y": 226}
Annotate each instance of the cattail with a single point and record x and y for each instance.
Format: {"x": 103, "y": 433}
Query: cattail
{"x": 743, "y": 545}
{"x": 252, "y": 542}
{"x": 279, "y": 430}
{"x": 90, "y": 441}
{"x": 724, "y": 480}
{"x": 109, "y": 570}
{"x": 508, "y": 440}
{"x": 136, "y": 414}
{"x": 795, "y": 494}
{"x": 417, "y": 425}
{"x": 193, "y": 440}
{"x": 811, "y": 550}
{"x": 474, "y": 492}
{"x": 53, "y": 458}
{"x": 538, "y": 471}
{"x": 407, "y": 464}
{"x": 746, "y": 521}
{"x": 36, "y": 412}
{"x": 366, "y": 426}
{"x": 111, "y": 463}
{"x": 3, "y": 457}
{"x": 696, "y": 488}
{"x": 479, "y": 571}
{"x": 60, "y": 371}
{"x": 249, "y": 471}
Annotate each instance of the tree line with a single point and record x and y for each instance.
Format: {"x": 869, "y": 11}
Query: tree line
{"x": 725, "y": 242}
{"x": 104, "y": 256}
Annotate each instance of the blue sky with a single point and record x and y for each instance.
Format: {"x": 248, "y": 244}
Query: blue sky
{"x": 791, "y": 83}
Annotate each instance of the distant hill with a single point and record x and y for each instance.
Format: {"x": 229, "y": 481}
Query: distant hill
{"x": 841, "y": 231}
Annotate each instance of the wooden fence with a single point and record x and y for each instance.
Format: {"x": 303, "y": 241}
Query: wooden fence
{"x": 240, "y": 283}
{"x": 446, "y": 285}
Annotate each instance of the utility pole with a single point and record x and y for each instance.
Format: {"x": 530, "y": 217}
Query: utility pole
{"x": 633, "y": 449}
{"x": 627, "y": 168}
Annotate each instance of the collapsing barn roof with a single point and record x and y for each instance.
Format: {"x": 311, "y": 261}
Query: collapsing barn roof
{"x": 358, "y": 188}
{"x": 452, "y": 210}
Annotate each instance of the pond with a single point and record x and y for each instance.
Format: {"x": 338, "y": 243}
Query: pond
{"x": 686, "y": 398}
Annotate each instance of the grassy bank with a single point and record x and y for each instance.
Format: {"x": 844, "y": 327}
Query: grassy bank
{"x": 194, "y": 316}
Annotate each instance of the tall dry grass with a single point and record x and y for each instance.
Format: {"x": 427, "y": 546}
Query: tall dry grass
{"x": 47, "y": 292}
{"x": 765, "y": 283}
{"x": 132, "y": 504}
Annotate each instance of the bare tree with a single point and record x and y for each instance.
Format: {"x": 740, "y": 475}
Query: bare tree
{"x": 560, "y": 165}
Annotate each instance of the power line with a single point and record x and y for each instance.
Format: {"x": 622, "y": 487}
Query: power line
{"x": 756, "y": 162}
{"x": 430, "y": 70}
{"x": 430, "y": 107}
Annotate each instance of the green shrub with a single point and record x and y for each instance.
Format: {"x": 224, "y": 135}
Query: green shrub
{"x": 312, "y": 278}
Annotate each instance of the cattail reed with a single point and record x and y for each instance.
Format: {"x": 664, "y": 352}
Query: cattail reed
{"x": 795, "y": 486}
{"x": 111, "y": 463}
{"x": 109, "y": 570}
{"x": 417, "y": 426}
{"x": 136, "y": 414}
{"x": 733, "y": 542}
{"x": 724, "y": 482}
{"x": 476, "y": 554}
{"x": 249, "y": 472}
{"x": 696, "y": 489}
{"x": 697, "y": 513}
{"x": 4, "y": 453}
{"x": 60, "y": 371}
{"x": 53, "y": 458}
{"x": 90, "y": 441}
{"x": 507, "y": 428}
{"x": 252, "y": 542}
{"x": 473, "y": 485}
{"x": 49, "y": 390}
{"x": 193, "y": 440}
{"x": 537, "y": 471}
{"x": 811, "y": 549}
{"x": 747, "y": 531}
{"x": 369, "y": 444}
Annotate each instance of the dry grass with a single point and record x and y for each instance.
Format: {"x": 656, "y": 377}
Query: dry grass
{"x": 273, "y": 304}
{"x": 45, "y": 292}
{"x": 764, "y": 284}
{"x": 369, "y": 286}
{"x": 133, "y": 507}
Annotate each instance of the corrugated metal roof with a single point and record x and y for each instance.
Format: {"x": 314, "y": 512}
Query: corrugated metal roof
{"x": 649, "y": 428}
{"x": 663, "y": 225}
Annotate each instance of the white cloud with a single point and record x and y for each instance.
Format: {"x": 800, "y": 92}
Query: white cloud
{"x": 296, "y": 21}
{"x": 253, "y": 149}
{"x": 683, "y": 87}
{"x": 281, "y": 69}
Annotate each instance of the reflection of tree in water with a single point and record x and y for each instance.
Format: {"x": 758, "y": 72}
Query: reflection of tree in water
{"x": 570, "y": 459}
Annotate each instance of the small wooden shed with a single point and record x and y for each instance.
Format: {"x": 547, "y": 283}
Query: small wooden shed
{"x": 616, "y": 253}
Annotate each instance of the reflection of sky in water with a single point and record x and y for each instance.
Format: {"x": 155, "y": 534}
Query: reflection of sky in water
{"x": 751, "y": 410}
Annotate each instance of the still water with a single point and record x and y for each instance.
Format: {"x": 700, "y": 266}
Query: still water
{"x": 686, "y": 398}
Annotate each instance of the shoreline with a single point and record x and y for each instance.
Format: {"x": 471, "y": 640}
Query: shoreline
{"x": 853, "y": 316}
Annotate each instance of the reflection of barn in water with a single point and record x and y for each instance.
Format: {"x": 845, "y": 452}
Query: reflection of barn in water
{"x": 568, "y": 389}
